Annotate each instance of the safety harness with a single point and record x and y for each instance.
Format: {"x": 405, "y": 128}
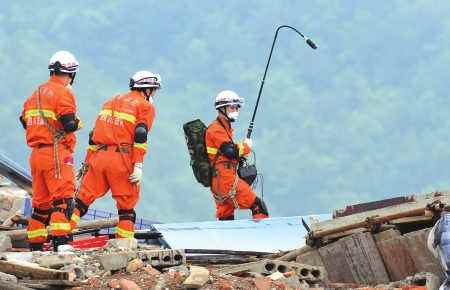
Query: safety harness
{"x": 232, "y": 192}
{"x": 57, "y": 135}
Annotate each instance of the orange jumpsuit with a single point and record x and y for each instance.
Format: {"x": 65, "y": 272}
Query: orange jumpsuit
{"x": 53, "y": 174}
{"x": 112, "y": 158}
{"x": 225, "y": 182}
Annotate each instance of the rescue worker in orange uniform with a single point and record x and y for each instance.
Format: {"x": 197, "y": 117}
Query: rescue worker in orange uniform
{"x": 49, "y": 118}
{"x": 229, "y": 191}
{"x": 117, "y": 149}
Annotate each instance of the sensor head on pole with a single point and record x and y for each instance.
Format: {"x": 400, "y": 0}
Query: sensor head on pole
{"x": 311, "y": 43}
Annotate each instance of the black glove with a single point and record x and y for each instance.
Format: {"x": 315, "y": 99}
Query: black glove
{"x": 230, "y": 150}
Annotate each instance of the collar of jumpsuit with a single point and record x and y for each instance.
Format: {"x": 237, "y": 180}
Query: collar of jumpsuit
{"x": 55, "y": 79}
{"x": 138, "y": 94}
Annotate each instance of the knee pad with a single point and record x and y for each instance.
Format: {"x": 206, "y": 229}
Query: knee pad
{"x": 259, "y": 207}
{"x": 41, "y": 215}
{"x": 127, "y": 214}
{"x": 81, "y": 206}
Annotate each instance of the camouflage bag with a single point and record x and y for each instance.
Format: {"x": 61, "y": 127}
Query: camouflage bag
{"x": 194, "y": 132}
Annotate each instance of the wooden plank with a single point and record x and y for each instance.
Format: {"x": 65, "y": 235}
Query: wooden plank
{"x": 291, "y": 255}
{"x": 397, "y": 259}
{"x": 423, "y": 259}
{"x": 210, "y": 259}
{"x": 335, "y": 262}
{"x": 226, "y": 252}
{"x": 13, "y": 286}
{"x": 412, "y": 219}
{"x": 354, "y": 259}
{"x": 32, "y": 271}
{"x": 386, "y": 235}
{"x": 312, "y": 258}
{"x": 361, "y": 220}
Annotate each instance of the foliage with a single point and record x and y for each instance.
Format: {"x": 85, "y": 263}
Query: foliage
{"x": 364, "y": 117}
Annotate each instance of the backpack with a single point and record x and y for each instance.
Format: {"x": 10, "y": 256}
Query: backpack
{"x": 194, "y": 132}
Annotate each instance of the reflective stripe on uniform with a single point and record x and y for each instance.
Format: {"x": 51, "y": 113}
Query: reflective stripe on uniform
{"x": 211, "y": 150}
{"x": 124, "y": 233}
{"x": 37, "y": 233}
{"x": 75, "y": 218}
{"x": 143, "y": 146}
{"x": 121, "y": 115}
{"x": 241, "y": 149}
{"x": 35, "y": 113}
{"x": 92, "y": 147}
{"x": 60, "y": 227}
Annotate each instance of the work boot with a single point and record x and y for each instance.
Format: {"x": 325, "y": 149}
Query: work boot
{"x": 227, "y": 218}
{"x": 58, "y": 241}
{"x": 36, "y": 247}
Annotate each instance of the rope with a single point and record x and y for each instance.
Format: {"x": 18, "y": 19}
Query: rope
{"x": 57, "y": 134}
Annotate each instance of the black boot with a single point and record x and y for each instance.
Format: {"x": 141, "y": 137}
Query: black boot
{"x": 228, "y": 218}
{"x": 58, "y": 241}
{"x": 36, "y": 247}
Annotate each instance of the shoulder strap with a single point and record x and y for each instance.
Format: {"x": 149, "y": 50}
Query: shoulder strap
{"x": 57, "y": 134}
{"x": 226, "y": 131}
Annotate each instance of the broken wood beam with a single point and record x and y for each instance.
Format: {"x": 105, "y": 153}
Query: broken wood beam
{"x": 225, "y": 252}
{"x": 97, "y": 224}
{"x": 418, "y": 207}
{"x": 32, "y": 271}
{"x": 292, "y": 255}
{"x": 5, "y": 285}
{"x": 218, "y": 259}
{"x": 51, "y": 284}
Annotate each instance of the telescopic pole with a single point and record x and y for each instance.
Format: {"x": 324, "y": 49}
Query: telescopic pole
{"x": 308, "y": 41}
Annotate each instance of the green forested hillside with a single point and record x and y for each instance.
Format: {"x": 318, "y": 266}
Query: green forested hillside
{"x": 365, "y": 116}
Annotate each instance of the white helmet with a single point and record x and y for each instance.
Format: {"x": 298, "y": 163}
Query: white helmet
{"x": 64, "y": 62}
{"x": 145, "y": 79}
{"x": 227, "y": 98}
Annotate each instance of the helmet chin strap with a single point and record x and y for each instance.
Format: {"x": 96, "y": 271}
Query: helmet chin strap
{"x": 72, "y": 78}
{"x": 223, "y": 111}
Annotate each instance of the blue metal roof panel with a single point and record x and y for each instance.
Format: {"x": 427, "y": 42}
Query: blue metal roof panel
{"x": 267, "y": 235}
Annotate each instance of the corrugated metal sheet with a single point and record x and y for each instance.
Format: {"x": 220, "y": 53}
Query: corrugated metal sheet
{"x": 267, "y": 235}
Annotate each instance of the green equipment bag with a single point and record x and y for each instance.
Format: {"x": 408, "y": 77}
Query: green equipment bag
{"x": 194, "y": 131}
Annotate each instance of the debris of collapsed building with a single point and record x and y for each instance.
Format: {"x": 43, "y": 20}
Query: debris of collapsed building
{"x": 378, "y": 244}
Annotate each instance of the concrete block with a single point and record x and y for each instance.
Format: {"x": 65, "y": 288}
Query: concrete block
{"x": 127, "y": 244}
{"x": 12, "y": 200}
{"x": 305, "y": 272}
{"x": 7, "y": 278}
{"x": 197, "y": 278}
{"x": 5, "y": 243}
{"x": 162, "y": 258}
{"x": 135, "y": 265}
{"x": 114, "y": 261}
{"x": 56, "y": 261}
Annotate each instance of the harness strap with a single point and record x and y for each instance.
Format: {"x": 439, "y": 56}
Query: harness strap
{"x": 57, "y": 134}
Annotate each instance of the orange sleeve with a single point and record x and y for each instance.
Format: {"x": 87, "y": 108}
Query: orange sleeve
{"x": 214, "y": 137}
{"x": 244, "y": 149}
{"x": 145, "y": 115}
{"x": 65, "y": 102}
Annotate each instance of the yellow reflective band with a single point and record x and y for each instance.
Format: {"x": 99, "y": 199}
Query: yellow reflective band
{"x": 92, "y": 147}
{"x": 35, "y": 113}
{"x": 37, "y": 233}
{"x": 75, "y": 218}
{"x": 60, "y": 227}
{"x": 125, "y": 233}
{"x": 121, "y": 115}
{"x": 241, "y": 149}
{"x": 143, "y": 146}
{"x": 211, "y": 150}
